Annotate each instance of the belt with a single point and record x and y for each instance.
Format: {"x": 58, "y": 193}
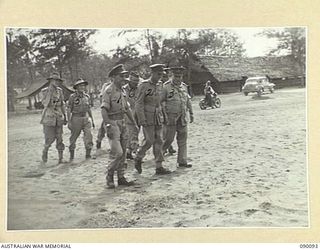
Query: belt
{"x": 82, "y": 114}
{"x": 115, "y": 117}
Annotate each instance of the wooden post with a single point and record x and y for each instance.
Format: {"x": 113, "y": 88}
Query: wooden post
{"x": 30, "y": 103}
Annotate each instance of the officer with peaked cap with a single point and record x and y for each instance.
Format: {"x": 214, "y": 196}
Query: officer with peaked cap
{"x": 150, "y": 117}
{"x": 78, "y": 120}
{"x": 53, "y": 116}
{"x": 114, "y": 108}
{"x": 176, "y": 105}
{"x": 101, "y": 131}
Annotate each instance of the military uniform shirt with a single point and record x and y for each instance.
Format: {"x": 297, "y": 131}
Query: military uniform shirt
{"x": 114, "y": 100}
{"x": 176, "y": 99}
{"x": 79, "y": 103}
{"x": 52, "y": 99}
{"x": 148, "y": 108}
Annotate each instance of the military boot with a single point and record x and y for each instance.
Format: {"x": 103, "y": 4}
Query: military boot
{"x": 71, "y": 155}
{"x": 110, "y": 180}
{"x": 45, "y": 155}
{"x": 137, "y": 165}
{"x": 186, "y": 165}
{"x": 60, "y": 152}
{"x": 123, "y": 182}
{"x": 171, "y": 150}
{"x": 162, "y": 171}
{"x": 88, "y": 153}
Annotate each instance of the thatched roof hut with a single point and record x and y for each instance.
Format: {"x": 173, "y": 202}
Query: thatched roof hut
{"x": 233, "y": 68}
{"x": 227, "y": 73}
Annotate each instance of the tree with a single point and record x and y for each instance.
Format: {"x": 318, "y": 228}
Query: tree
{"x": 291, "y": 41}
{"x": 146, "y": 39}
{"x": 64, "y": 50}
{"x": 20, "y": 58}
{"x": 189, "y": 44}
{"x": 220, "y": 42}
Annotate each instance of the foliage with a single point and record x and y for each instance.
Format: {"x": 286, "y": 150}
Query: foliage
{"x": 291, "y": 41}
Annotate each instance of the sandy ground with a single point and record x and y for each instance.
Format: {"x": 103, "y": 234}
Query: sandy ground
{"x": 249, "y": 170}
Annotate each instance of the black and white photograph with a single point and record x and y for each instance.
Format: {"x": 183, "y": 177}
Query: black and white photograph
{"x": 156, "y": 128}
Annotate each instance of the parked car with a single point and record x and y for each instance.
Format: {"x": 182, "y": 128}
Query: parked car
{"x": 257, "y": 84}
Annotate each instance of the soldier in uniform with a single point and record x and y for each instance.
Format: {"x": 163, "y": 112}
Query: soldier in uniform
{"x": 78, "y": 120}
{"x": 114, "y": 108}
{"x": 166, "y": 76}
{"x": 150, "y": 117}
{"x": 176, "y": 105}
{"x": 101, "y": 131}
{"x": 53, "y": 116}
{"x": 131, "y": 91}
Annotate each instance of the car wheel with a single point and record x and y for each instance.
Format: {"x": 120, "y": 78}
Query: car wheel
{"x": 271, "y": 90}
{"x": 245, "y": 93}
{"x": 217, "y": 103}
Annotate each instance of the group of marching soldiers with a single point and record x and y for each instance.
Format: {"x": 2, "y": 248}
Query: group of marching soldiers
{"x": 159, "y": 106}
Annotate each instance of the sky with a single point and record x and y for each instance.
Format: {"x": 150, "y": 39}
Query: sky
{"x": 106, "y": 40}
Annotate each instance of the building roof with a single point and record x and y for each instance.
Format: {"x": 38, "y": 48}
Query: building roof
{"x": 36, "y": 87}
{"x": 234, "y": 68}
{"x": 33, "y": 89}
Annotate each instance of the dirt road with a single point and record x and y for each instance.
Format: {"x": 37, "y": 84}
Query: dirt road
{"x": 249, "y": 170}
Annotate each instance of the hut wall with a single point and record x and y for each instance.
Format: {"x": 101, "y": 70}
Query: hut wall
{"x": 287, "y": 82}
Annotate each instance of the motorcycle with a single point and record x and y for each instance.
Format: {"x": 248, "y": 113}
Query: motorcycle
{"x": 216, "y": 102}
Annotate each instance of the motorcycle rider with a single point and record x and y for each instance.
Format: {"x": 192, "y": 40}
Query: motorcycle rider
{"x": 209, "y": 93}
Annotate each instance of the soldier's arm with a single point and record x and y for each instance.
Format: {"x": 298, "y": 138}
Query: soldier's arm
{"x": 105, "y": 106}
{"x": 45, "y": 97}
{"x": 163, "y": 98}
{"x": 129, "y": 113}
{"x": 69, "y": 107}
{"x": 189, "y": 107}
{"x": 63, "y": 105}
{"x": 139, "y": 107}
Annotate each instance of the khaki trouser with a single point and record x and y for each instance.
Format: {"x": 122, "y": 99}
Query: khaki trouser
{"x": 133, "y": 140}
{"x": 118, "y": 145}
{"x": 182, "y": 134}
{"x": 51, "y": 134}
{"x": 79, "y": 124}
{"x": 152, "y": 137}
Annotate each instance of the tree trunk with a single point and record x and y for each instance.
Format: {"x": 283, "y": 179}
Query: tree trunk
{"x": 76, "y": 66}
{"x": 150, "y": 48}
{"x": 71, "y": 73}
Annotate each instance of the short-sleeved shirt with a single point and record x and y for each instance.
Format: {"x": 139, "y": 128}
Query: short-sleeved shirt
{"x": 114, "y": 100}
{"x": 148, "y": 106}
{"x": 79, "y": 103}
{"x": 53, "y": 101}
